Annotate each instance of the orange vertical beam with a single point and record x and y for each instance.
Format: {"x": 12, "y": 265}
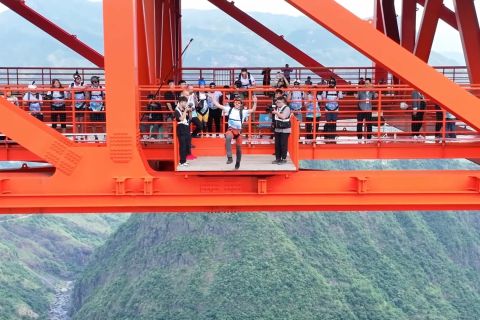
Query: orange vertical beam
{"x": 390, "y": 20}
{"x": 142, "y": 47}
{"x": 446, "y": 14}
{"x": 276, "y": 40}
{"x": 402, "y": 63}
{"x": 428, "y": 29}
{"x": 168, "y": 39}
{"x": 148, "y": 36}
{"x": 380, "y": 73}
{"x": 470, "y": 34}
{"x": 121, "y": 74}
{"x": 409, "y": 19}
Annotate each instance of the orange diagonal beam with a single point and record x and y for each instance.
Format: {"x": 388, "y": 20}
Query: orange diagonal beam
{"x": 378, "y": 47}
{"x": 276, "y": 40}
{"x": 428, "y": 28}
{"x": 34, "y": 135}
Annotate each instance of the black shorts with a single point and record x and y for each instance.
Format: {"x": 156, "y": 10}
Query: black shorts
{"x": 97, "y": 116}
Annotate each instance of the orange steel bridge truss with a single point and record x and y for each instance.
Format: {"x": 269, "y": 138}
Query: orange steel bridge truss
{"x": 143, "y": 48}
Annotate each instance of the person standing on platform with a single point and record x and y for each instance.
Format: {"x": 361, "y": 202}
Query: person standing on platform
{"x": 419, "y": 105}
{"x": 365, "y": 99}
{"x": 182, "y": 115}
{"x": 331, "y": 97}
{"x": 215, "y": 117}
{"x": 236, "y": 117}
{"x": 283, "y": 128}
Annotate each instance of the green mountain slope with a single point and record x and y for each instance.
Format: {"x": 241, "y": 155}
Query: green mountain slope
{"x": 38, "y": 253}
{"x": 286, "y": 266}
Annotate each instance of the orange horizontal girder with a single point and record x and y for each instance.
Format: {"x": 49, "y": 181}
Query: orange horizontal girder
{"x": 115, "y": 177}
{"x": 360, "y": 35}
{"x": 303, "y": 190}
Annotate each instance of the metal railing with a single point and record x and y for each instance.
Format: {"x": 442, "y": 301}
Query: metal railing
{"x": 221, "y": 76}
{"x": 391, "y": 119}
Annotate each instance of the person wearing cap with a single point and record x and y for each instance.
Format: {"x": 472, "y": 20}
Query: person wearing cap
{"x": 331, "y": 97}
{"x": 34, "y": 100}
{"x": 236, "y": 118}
{"x": 96, "y": 97}
{"x": 215, "y": 116}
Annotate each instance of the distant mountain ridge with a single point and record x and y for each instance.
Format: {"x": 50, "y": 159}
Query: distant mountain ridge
{"x": 219, "y": 39}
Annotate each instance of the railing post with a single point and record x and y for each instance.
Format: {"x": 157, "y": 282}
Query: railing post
{"x": 379, "y": 115}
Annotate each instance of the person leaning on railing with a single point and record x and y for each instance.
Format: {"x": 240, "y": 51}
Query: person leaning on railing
{"x": 34, "y": 100}
{"x": 57, "y": 99}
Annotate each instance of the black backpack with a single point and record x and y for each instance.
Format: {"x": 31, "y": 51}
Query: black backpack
{"x": 155, "y": 116}
{"x": 241, "y": 115}
{"x": 249, "y": 78}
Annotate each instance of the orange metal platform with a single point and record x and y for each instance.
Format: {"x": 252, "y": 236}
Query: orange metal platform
{"x": 121, "y": 169}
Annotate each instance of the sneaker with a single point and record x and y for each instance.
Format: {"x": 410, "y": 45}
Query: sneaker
{"x": 229, "y": 160}
{"x": 237, "y": 165}
{"x": 185, "y": 164}
{"x": 282, "y": 161}
{"x": 276, "y": 161}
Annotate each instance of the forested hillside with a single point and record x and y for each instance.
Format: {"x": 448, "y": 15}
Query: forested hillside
{"x": 39, "y": 253}
{"x": 286, "y": 266}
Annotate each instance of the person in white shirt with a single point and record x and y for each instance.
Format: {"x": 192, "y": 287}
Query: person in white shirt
{"x": 246, "y": 79}
{"x": 215, "y": 113}
{"x": 34, "y": 100}
{"x": 236, "y": 117}
{"x": 57, "y": 97}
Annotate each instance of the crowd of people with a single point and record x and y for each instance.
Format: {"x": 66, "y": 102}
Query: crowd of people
{"x": 198, "y": 110}
{"x": 84, "y": 99}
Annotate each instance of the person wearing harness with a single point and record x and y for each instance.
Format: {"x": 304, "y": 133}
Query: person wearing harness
{"x": 282, "y": 114}
{"x": 96, "y": 105}
{"x": 57, "y": 97}
{"x": 34, "y": 102}
{"x": 77, "y": 88}
{"x": 236, "y": 117}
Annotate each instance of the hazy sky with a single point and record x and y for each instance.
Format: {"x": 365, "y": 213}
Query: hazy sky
{"x": 447, "y": 38}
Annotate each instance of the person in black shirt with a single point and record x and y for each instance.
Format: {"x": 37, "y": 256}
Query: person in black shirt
{"x": 155, "y": 117}
{"x": 182, "y": 115}
{"x": 170, "y": 101}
